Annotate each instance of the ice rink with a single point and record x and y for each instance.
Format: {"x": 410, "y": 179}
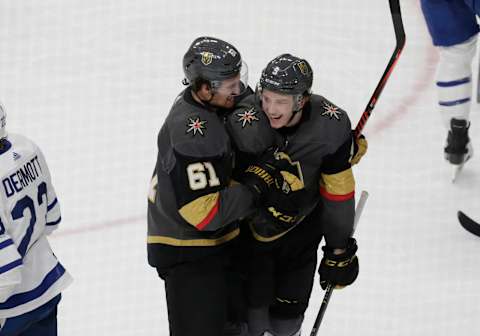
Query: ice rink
{"x": 91, "y": 82}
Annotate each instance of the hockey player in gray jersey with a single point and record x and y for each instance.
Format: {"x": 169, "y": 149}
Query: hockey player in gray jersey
{"x": 316, "y": 135}
{"x": 194, "y": 206}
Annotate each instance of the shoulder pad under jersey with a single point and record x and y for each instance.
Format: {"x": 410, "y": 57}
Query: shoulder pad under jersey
{"x": 329, "y": 122}
{"x": 249, "y": 127}
{"x": 195, "y": 131}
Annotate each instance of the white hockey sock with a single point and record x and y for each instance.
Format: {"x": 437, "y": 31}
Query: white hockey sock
{"x": 454, "y": 80}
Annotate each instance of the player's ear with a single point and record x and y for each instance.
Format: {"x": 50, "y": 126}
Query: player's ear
{"x": 205, "y": 92}
{"x": 303, "y": 101}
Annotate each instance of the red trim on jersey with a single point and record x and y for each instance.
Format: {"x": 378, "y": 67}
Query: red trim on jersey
{"x": 209, "y": 217}
{"x": 336, "y": 198}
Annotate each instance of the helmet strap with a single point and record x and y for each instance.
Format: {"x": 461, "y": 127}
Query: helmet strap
{"x": 296, "y": 106}
{"x": 294, "y": 112}
{"x": 297, "y": 99}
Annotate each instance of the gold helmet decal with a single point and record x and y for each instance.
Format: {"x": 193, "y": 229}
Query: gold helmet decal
{"x": 207, "y": 57}
{"x": 303, "y": 67}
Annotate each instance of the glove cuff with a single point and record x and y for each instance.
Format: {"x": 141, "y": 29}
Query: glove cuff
{"x": 350, "y": 249}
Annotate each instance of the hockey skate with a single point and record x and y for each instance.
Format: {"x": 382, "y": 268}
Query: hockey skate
{"x": 458, "y": 149}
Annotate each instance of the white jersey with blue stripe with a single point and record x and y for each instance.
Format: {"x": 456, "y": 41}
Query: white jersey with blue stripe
{"x": 30, "y": 274}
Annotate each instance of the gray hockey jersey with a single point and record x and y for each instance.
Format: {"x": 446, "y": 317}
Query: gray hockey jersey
{"x": 320, "y": 147}
{"x": 192, "y": 200}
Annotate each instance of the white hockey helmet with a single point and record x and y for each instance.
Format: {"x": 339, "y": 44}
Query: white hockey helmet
{"x": 3, "y": 122}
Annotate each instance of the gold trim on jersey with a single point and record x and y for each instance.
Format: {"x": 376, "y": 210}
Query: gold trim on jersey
{"x": 340, "y": 183}
{"x": 199, "y": 209}
{"x": 266, "y": 239}
{"x": 193, "y": 242}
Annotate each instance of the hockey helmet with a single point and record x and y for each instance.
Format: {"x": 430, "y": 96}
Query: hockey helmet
{"x": 287, "y": 74}
{"x": 213, "y": 60}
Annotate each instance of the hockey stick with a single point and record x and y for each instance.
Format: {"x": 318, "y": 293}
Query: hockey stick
{"x": 329, "y": 290}
{"x": 400, "y": 43}
{"x": 469, "y": 224}
{"x": 400, "y": 38}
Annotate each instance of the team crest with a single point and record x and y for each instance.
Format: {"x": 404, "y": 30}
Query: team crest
{"x": 195, "y": 126}
{"x": 292, "y": 174}
{"x": 303, "y": 68}
{"x": 247, "y": 117}
{"x": 331, "y": 111}
{"x": 207, "y": 57}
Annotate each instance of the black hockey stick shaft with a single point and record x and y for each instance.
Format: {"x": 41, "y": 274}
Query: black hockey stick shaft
{"x": 323, "y": 309}
{"x": 400, "y": 43}
{"x": 330, "y": 287}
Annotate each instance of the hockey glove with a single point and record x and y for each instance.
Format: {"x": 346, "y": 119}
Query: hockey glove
{"x": 339, "y": 270}
{"x": 264, "y": 174}
{"x": 359, "y": 148}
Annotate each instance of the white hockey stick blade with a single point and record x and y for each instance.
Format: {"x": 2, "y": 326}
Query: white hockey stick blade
{"x": 469, "y": 224}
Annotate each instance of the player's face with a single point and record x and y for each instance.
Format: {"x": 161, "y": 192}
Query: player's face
{"x": 277, "y": 107}
{"x": 226, "y": 92}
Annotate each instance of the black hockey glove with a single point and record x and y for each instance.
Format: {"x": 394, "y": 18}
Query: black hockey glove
{"x": 339, "y": 270}
{"x": 264, "y": 174}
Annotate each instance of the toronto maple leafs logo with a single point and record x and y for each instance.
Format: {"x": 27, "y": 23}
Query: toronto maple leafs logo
{"x": 247, "y": 117}
{"x": 331, "y": 111}
{"x": 195, "y": 126}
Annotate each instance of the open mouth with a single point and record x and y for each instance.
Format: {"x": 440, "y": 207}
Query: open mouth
{"x": 274, "y": 117}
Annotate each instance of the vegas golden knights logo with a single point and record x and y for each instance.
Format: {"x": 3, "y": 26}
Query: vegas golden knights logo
{"x": 303, "y": 67}
{"x": 207, "y": 57}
